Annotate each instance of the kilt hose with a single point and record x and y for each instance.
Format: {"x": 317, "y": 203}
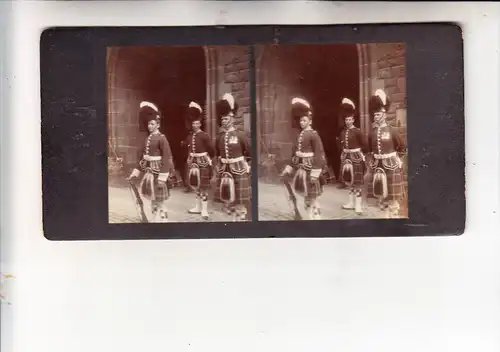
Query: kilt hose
{"x": 352, "y": 176}
{"x": 387, "y": 179}
{"x": 242, "y": 191}
{"x": 199, "y": 174}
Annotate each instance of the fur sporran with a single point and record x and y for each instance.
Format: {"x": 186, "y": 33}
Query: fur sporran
{"x": 227, "y": 191}
{"x": 147, "y": 186}
{"x": 348, "y": 172}
{"x": 300, "y": 182}
{"x": 194, "y": 176}
{"x": 380, "y": 184}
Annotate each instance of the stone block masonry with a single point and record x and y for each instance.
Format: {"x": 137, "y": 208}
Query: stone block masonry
{"x": 234, "y": 77}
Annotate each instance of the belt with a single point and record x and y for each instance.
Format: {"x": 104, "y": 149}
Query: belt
{"x": 352, "y": 150}
{"x": 232, "y": 160}
{"x": 151, "y": 158}
{"x": 304, "y": 155}
{"x": 385, "y": 156}
{"x": 197, "y": 155}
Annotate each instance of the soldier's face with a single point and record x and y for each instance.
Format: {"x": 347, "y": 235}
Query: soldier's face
{"x": 305, "y": 121}
{"x": 349, "y": 121}
{"x": 196, "y": 125}
{"x": 153, "y": 125}
{"x": 379, "y": 116}
{"x": 227, "y": 120}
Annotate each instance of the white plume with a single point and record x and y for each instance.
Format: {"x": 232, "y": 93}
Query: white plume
{"x": 229, "y": 98}
{"x": 349, "y": 102}
{"x": 301, "y": 101}
{"x": 381, "y": 94}
{"x": 147, "y": 103}
{"x": 195, "y": 105}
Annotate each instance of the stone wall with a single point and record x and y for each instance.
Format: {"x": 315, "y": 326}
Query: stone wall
{"x": 125, "y": 92}
{"x": 233, "y": 76}
{"x": 275, "y": 87}
{"x": 388, "y": 71}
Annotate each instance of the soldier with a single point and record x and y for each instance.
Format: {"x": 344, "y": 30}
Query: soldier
{"x": 307, "y": 161}
{"x": 233, "y": 169}
{"x": 155, "y": 160}
{"x": 386, "y": 166}
{"x": 201, "y": 152}
{"x": 353, "y": 145}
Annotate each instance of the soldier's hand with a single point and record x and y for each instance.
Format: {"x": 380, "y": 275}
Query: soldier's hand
{"x": 286, "y": 171}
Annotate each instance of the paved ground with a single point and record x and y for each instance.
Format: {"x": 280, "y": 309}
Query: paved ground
{"x": 122, "y": 208}
{"x": 274, "y": 204}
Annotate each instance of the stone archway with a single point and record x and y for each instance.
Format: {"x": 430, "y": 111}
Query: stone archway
{"x": 148, "y": 73}
{"x": 278, "y": 80}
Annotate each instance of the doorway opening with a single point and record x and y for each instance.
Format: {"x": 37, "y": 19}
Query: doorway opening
{"x": 325, "y": 75}
{"x": 169, "y": 77}
{"x": 177, "y": 75}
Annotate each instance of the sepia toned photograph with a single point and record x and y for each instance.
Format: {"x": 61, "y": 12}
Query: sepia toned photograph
{"x": 179, "y": 142}
{"x": 252, "y": 131}
{"x": 332, "y": 131}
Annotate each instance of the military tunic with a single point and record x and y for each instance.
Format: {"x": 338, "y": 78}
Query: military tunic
{"x": 201, "y": 152}
{"x": 308, "y": 157}
{"x": 353, "y": 146}
{"x": 233, "y": 171}
{"x": 387, "y": 178}
{"x": 155, "y": 160}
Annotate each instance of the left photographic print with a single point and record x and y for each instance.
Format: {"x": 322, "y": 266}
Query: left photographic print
{"x": 179, "y": 134}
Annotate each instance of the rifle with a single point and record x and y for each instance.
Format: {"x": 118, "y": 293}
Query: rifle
{"x": 286, "y": 182}
{"x": 138, "y": 200}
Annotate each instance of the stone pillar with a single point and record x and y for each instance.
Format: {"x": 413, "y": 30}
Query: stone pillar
{"x": 275, "y": 89}
{"x": 124, "y": 96}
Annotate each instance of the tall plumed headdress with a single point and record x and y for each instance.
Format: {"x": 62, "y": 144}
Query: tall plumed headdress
{"x": 300, "y": 107}
{"x": 226, "y": 105}
{"x": 378, "y": 102}
{"x": 147, "y": 112}
{"x": 194, "y": 112}
{"x": 347, "y": 108}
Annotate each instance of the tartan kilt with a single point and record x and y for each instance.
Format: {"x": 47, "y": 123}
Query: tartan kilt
{"x": 313, "y": 189}
{"x": 358, "y": 171}
{"x": 160, "y": 191}
{"x": 395, "y": 179}
{"x": 242, "y": 185}
{"x": 205, "y": 174}
{"x": 203, "y": 164}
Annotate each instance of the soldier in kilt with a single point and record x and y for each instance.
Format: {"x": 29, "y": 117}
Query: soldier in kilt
{"x": 307, "y": 161}
{"x": 233, "y": 168}
{"x": 386, "y": 147}
{"x": 354, "y": 147}
{"x": 201, "y": 152}
{"x": 155, "y": 161}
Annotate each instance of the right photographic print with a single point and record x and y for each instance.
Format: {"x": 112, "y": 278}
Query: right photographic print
{"x": 332, "y": 131}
